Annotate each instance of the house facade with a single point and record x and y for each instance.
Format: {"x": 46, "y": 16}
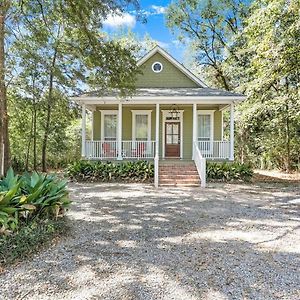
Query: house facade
{"x": 173, "y": 115}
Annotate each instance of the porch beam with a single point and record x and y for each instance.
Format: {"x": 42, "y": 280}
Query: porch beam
{"x": 119, "y": 133}
{"x": 231, "y": 131}
{"x": 83, "y": 130}
{"x": 156, "y": 158}
{"x": 194, "y": 126}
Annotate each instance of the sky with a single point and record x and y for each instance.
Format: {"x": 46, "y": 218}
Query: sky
{"x": 154, "y": 12}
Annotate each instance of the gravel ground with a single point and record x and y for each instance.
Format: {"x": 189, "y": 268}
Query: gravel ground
{"x": 135, "y": 242}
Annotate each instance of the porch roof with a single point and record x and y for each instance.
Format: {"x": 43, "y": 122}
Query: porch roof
{"x": 171, "y": 94}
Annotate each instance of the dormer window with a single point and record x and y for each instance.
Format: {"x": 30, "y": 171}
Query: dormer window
{"x": 157, "y": 67}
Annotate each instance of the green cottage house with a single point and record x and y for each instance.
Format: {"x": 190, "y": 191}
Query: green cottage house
{"x": 173, "y": 118}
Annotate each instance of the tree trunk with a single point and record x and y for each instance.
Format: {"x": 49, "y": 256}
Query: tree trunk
{"x": 48, "y": 117}
{"x": 34, "y": 136}
{"x": 4, "y": 139}
{"x": 288, "y": 139}
{"x": 29, "y": 143}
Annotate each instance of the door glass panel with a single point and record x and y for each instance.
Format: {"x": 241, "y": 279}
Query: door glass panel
{"x": 169, "y": 139}
{"x": 175, "y": 129}
{"x": 175, "y": 139}
{"x": 169, "y": 128}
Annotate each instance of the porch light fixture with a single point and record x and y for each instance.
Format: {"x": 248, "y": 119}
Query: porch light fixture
{"x": 174, "y": 113}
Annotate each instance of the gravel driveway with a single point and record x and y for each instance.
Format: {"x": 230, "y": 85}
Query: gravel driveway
{"x": 134, "y": 242}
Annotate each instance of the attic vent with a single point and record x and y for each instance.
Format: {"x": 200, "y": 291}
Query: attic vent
{"x": 157, "y": 67}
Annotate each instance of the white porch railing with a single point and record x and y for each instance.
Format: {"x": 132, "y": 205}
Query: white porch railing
{"x": 214, "y": 149}
{"x": 109, "y": 149}
{"x": 138, "y": 149}
{"x": 101, "y": 149}
{"x": 200, "y": 163}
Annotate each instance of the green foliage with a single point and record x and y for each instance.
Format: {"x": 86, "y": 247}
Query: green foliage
{"x": 27, "y": 197}
{"x": 26, "y": 241}
{"x": 267, "y": 69}
{"x": 252, "y": 47}
{"x": 228, "y": 171}
{"x": 138, "y": 171}
{"x": 26, "y": 139}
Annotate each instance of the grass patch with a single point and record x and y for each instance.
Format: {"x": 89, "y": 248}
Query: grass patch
{"x": 30, "y": 238}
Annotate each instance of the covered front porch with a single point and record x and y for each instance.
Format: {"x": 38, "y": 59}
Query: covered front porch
{"x": 126, "y": 131}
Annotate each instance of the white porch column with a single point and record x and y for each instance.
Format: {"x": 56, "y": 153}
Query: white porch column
{"x": 92, "y": 125}
{"x": 156, "y": 158}
{"x": 119, "y": 133}
{"x": 231, "y": 131}
{"x": 83, "y": 130}
{"x": 194, "y": 126}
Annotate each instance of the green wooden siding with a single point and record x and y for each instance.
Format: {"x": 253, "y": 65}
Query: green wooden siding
{"x": 186, "y": 139}
{"x": 169, "y": 77}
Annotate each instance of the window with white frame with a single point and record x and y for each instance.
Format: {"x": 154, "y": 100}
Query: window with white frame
{"x": 141, "y": 125}
{"x": 205, "y": 130}
{"x": 109, "y": 125}
{"x": 204, "y": 127}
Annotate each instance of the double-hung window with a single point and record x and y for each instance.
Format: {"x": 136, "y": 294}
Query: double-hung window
{"x": 205, "y": 131}
{"x": 141, "y": 125}
{"x": 109, "y": 125}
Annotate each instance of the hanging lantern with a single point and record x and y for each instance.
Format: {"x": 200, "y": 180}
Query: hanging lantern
{"x": 174, "y": 113}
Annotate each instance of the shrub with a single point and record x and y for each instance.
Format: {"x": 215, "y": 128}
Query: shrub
{"x": 24, "y": 198}
{"x": 138, "y": 171}
{"x": 226, "y": 171}
{"x": 29, "y": 238}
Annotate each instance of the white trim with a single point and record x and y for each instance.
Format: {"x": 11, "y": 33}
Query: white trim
{"x": 119, "y": 131}
{"x": 222, "y": 125}
{"x": 83, "y": 130}
{"x": 107, "y": 112}
{"x": 212, "y": 127}
{"x": 156, "y": 157}
{"x": 144, "y": 113}
{"x": 231, "y": 132}
{"x": 157, "y": 62}
{"x": 172, "y": 60}
{"x": 164, "y": 115}
{"x": 160, "y": 99}
{"x": 195, "y": 128}
{"x": 92, "y": 128}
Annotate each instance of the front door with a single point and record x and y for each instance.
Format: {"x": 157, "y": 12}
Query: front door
{"x": 172, "y": 139}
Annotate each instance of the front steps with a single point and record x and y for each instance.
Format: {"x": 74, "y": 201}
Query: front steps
{"x": 179, "y": 173}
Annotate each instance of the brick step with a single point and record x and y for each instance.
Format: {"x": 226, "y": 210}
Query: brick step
{"x": 177, "y": 170}
{"x": 180, "y": 184}
{"x": 178, "y": 173}
{"x": 178, "y": 177}
{"x": 179, "y": 181}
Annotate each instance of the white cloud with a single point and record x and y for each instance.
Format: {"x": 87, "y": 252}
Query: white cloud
{"x": 158, "y": 10}
{"x": 120, "y": 20}
{"x": 154, "y": 10}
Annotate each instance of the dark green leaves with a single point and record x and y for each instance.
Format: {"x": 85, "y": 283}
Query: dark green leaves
{"x": 138, "y": 171}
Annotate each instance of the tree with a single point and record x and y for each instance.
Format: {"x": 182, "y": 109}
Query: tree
{"x": 4, "y": 139}
{"x": 63, "y": 41}
{"x": 269, "y": 64}
{"x": 208, "y": 27}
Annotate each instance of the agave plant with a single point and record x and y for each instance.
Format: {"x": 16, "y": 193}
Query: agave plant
{"x": 30, "y": 196}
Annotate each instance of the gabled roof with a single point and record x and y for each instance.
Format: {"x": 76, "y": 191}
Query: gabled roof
{"x": 172, "y": 60}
